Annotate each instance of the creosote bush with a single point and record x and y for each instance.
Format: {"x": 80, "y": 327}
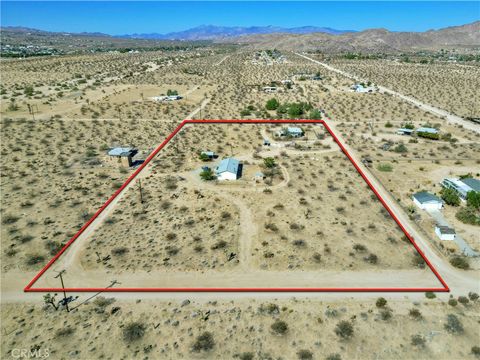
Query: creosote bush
{"x": 279, "y": 327}
{"x": 133, "y": 331}
{"x": 204, "y": 342}
{"x": 344, "y": 329}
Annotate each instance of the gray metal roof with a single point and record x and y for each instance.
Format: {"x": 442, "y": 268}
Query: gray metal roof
{"x": 228, "y": 165}
{"x": 474, "y": 184}
{"x": 122, "y": 151}
{"x": 445, "y": 230}
{"x": 427, "y": 130}
{"x": 425, "y": 197}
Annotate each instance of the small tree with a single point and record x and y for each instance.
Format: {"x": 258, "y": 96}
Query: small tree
{"x": 207, "y": 175}
{"x": 381, "y": 302}
{"x": 344, "y": 329}
{"x": 204, "y": 157}
{"x": 50, "y": 300}
{"x": 315, "y": 114}
{"x": 473, "y": 199}
{"x": 269, "y": 162}
{"x": 272, "y": 104}
{"x": 450, "y": 197}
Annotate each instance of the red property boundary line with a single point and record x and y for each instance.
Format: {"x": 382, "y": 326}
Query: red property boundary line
{"x": 444, "y": 287}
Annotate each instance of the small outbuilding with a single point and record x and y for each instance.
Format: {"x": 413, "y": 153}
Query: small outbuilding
{"x": 122, "y": 155}
{"x": 445, "y": 232}
{"x": 208, "y": 154}
{"x": 228, "y": 169}
{"x": 427, "y": 130}
{"x": 426, "y": 201}
{"x": 404, "y": 131}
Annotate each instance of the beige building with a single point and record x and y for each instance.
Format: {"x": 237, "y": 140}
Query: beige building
{"x": 122, "y": 155}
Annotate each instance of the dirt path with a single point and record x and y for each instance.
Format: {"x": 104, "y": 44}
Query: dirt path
{"x": 245, "y": 275}
{"x": 449, "y": 117}
{"x": 457, "y": 280}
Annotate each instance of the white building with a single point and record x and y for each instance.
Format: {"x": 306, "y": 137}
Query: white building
{"x": 461, "y": 186}
{"x": 427, "y": 201}
{"x": 445, "y": 232}
{"x": 228, "y": 169}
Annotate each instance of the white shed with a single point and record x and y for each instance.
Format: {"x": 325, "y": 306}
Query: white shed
{"x": 445, "y": 232}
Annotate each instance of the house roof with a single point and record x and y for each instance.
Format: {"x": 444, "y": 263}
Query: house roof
{"x": 228, "y": 165}
{"x": 458, "y": 184}
{"x": 406, "y": 130}
{"x": 445, "y": 230}
{"x": 294, "y": 130}
{"x": 427, "y": 130}
{"x": 122, "y": 151}
{"x": 424, "y": 197}
{"x": 474, "y": 184}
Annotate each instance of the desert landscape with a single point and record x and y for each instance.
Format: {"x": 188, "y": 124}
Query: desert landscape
{"x": 236, "y": 211}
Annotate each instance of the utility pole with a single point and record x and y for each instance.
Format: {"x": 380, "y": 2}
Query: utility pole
{"x": 140, "y": 189}
{"x": 60, "y": 273}
{"x": 32, "y": 109}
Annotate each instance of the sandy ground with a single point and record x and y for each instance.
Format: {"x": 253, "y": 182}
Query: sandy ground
{"x": 55, "y": 174}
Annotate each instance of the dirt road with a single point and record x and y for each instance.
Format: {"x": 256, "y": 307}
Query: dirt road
{"x": 451, "y": 118}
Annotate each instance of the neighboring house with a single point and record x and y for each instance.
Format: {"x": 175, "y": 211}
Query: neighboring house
{"x": 427, "y": 130}
{"x": 228, "y": 169}
{"x": 291, "y": 131}
{"x": 403, "y": 131}
{"x": 122, "y": 155}
{"x": 461, "y": 186}
{"x": 426, "y": 201}
{"x": 445, "y": 232}
{"x": 473, "y": 184}
{"x": 362, "y": 89}
{"x": 210, "y": 154}
{"x": 166, "y": 98}
{"x": 270, "y": 89}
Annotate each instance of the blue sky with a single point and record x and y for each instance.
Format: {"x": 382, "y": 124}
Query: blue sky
{"x": 144, "y": 17}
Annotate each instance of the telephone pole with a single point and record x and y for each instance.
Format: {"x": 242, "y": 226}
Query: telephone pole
{"x": 60, "y": 273}
{"x": 140, "y": 190}
{"x": 32, "y": 109}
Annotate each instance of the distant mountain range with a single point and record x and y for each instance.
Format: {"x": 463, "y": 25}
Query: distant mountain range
{"x": 212, "y": 32}
{"x": 307, "y": 38}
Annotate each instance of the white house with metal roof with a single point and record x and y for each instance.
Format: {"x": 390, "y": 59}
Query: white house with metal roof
{"x": 461, "y": 186}
{"x": 426, "y": 201}
{"x": 228, "y": 169}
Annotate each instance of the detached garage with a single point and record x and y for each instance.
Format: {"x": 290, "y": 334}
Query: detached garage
{"x": 427, "y": 201}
